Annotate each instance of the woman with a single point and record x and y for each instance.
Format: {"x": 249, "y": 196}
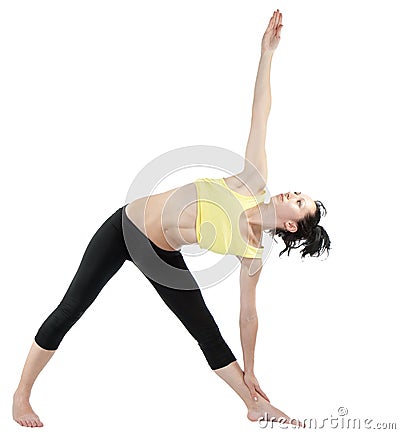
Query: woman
{"x": 156, "y": 226}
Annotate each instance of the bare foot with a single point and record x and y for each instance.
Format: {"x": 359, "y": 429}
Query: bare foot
{"x": 23, "y": 413}
{"x": 262, "y": 409}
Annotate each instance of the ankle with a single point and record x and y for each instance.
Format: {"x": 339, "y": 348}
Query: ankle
{"x": 23, "y": 392}
{"x": 256, "y": 405}
{"x": 252, "y": 405}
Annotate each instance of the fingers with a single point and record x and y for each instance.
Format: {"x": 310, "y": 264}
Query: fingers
{"x": 263, "y": 394}
{"x": 253, "y": 394}
{"x": 277, "y": 14}
{"x": 275, "y": 21}
{"x": 271, "y": 22}
{"x": 278, "y": 24}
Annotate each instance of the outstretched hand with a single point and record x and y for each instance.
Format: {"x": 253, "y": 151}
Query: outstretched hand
{"x": 253, "y": 386}
{"x": 272, "y": 35}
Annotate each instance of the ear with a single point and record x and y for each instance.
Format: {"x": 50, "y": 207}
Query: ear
{"x": 291, "y": 226}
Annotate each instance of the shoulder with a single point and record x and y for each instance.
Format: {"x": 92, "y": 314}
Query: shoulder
{"x": 253, "y": 266}
{"x": 246, "y": 183}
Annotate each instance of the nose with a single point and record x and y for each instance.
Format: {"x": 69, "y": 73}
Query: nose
{"x": 290, "y": 195}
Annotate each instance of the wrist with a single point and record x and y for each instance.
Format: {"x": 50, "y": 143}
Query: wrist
{"x": 248, "y": 370}
{"x": 267, "y": 53}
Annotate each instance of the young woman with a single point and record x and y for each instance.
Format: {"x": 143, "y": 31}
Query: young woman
{"x": 153, "y": 228}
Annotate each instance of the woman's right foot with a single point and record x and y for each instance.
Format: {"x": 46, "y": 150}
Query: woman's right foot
{"x": 262, "y": 409}
{"x": 23, "y": 413}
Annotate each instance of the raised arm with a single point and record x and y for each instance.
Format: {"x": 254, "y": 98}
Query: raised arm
{"x": 255, "y": 149}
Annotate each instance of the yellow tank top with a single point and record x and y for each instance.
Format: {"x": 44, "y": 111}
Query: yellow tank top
{"x": 217, "y": 220}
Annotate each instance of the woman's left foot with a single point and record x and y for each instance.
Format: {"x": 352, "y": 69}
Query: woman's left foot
{"x": 23, "y": 412}
{"x": 262, "y": 409}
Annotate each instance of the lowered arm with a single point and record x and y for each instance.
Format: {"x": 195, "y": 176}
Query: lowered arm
{"x": 248, "y": 320}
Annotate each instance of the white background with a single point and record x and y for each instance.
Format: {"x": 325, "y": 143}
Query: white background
{"x": 90, "y": 93}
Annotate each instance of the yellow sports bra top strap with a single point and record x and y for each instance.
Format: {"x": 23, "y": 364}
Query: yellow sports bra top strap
{"x": 217, "y": 221}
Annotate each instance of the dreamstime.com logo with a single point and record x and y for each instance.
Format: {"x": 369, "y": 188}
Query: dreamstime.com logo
{"x": 341, "y": 421}
{"x": 145, "y": 182}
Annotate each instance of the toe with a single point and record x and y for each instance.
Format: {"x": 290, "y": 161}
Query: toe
{"x": 38, "y": 421}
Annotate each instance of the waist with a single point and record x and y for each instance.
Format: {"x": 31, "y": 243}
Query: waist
{"x": 130, "y": 225}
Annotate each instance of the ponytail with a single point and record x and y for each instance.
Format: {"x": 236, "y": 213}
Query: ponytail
{"x": 309, "y": 235}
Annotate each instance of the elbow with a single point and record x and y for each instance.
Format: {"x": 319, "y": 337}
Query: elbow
{"x": 246, "y": 318}
{"x": 260, "y": 112}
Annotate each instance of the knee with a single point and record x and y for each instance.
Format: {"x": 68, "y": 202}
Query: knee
{"x": 65, "y": 315}
{"x": 215, "y": 349}
{"x": 58, "y": 323}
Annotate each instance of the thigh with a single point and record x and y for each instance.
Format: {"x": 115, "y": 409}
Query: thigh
{"x": 103, "y": 257}
{"x": 188, "y": 305}
{"x": 167, "y": 271}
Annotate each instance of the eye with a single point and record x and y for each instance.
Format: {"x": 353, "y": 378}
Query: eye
{"x": 299, "y": 201}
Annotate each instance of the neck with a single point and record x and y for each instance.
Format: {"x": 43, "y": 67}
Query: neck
{"x": 263, "y": 216}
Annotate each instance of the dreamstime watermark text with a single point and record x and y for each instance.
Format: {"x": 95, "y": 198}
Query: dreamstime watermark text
{"x": 339, "y": 421}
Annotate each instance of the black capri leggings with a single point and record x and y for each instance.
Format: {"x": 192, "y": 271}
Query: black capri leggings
{"x": 103, "y": 257}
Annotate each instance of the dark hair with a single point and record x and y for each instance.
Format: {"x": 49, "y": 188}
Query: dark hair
{"x": 316, "y": 239}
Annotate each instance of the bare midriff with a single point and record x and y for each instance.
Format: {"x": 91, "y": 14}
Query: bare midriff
{"x": 168, "y": 219}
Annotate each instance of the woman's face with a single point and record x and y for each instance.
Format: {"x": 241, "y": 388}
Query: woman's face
{"x": 291, "y": 207}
